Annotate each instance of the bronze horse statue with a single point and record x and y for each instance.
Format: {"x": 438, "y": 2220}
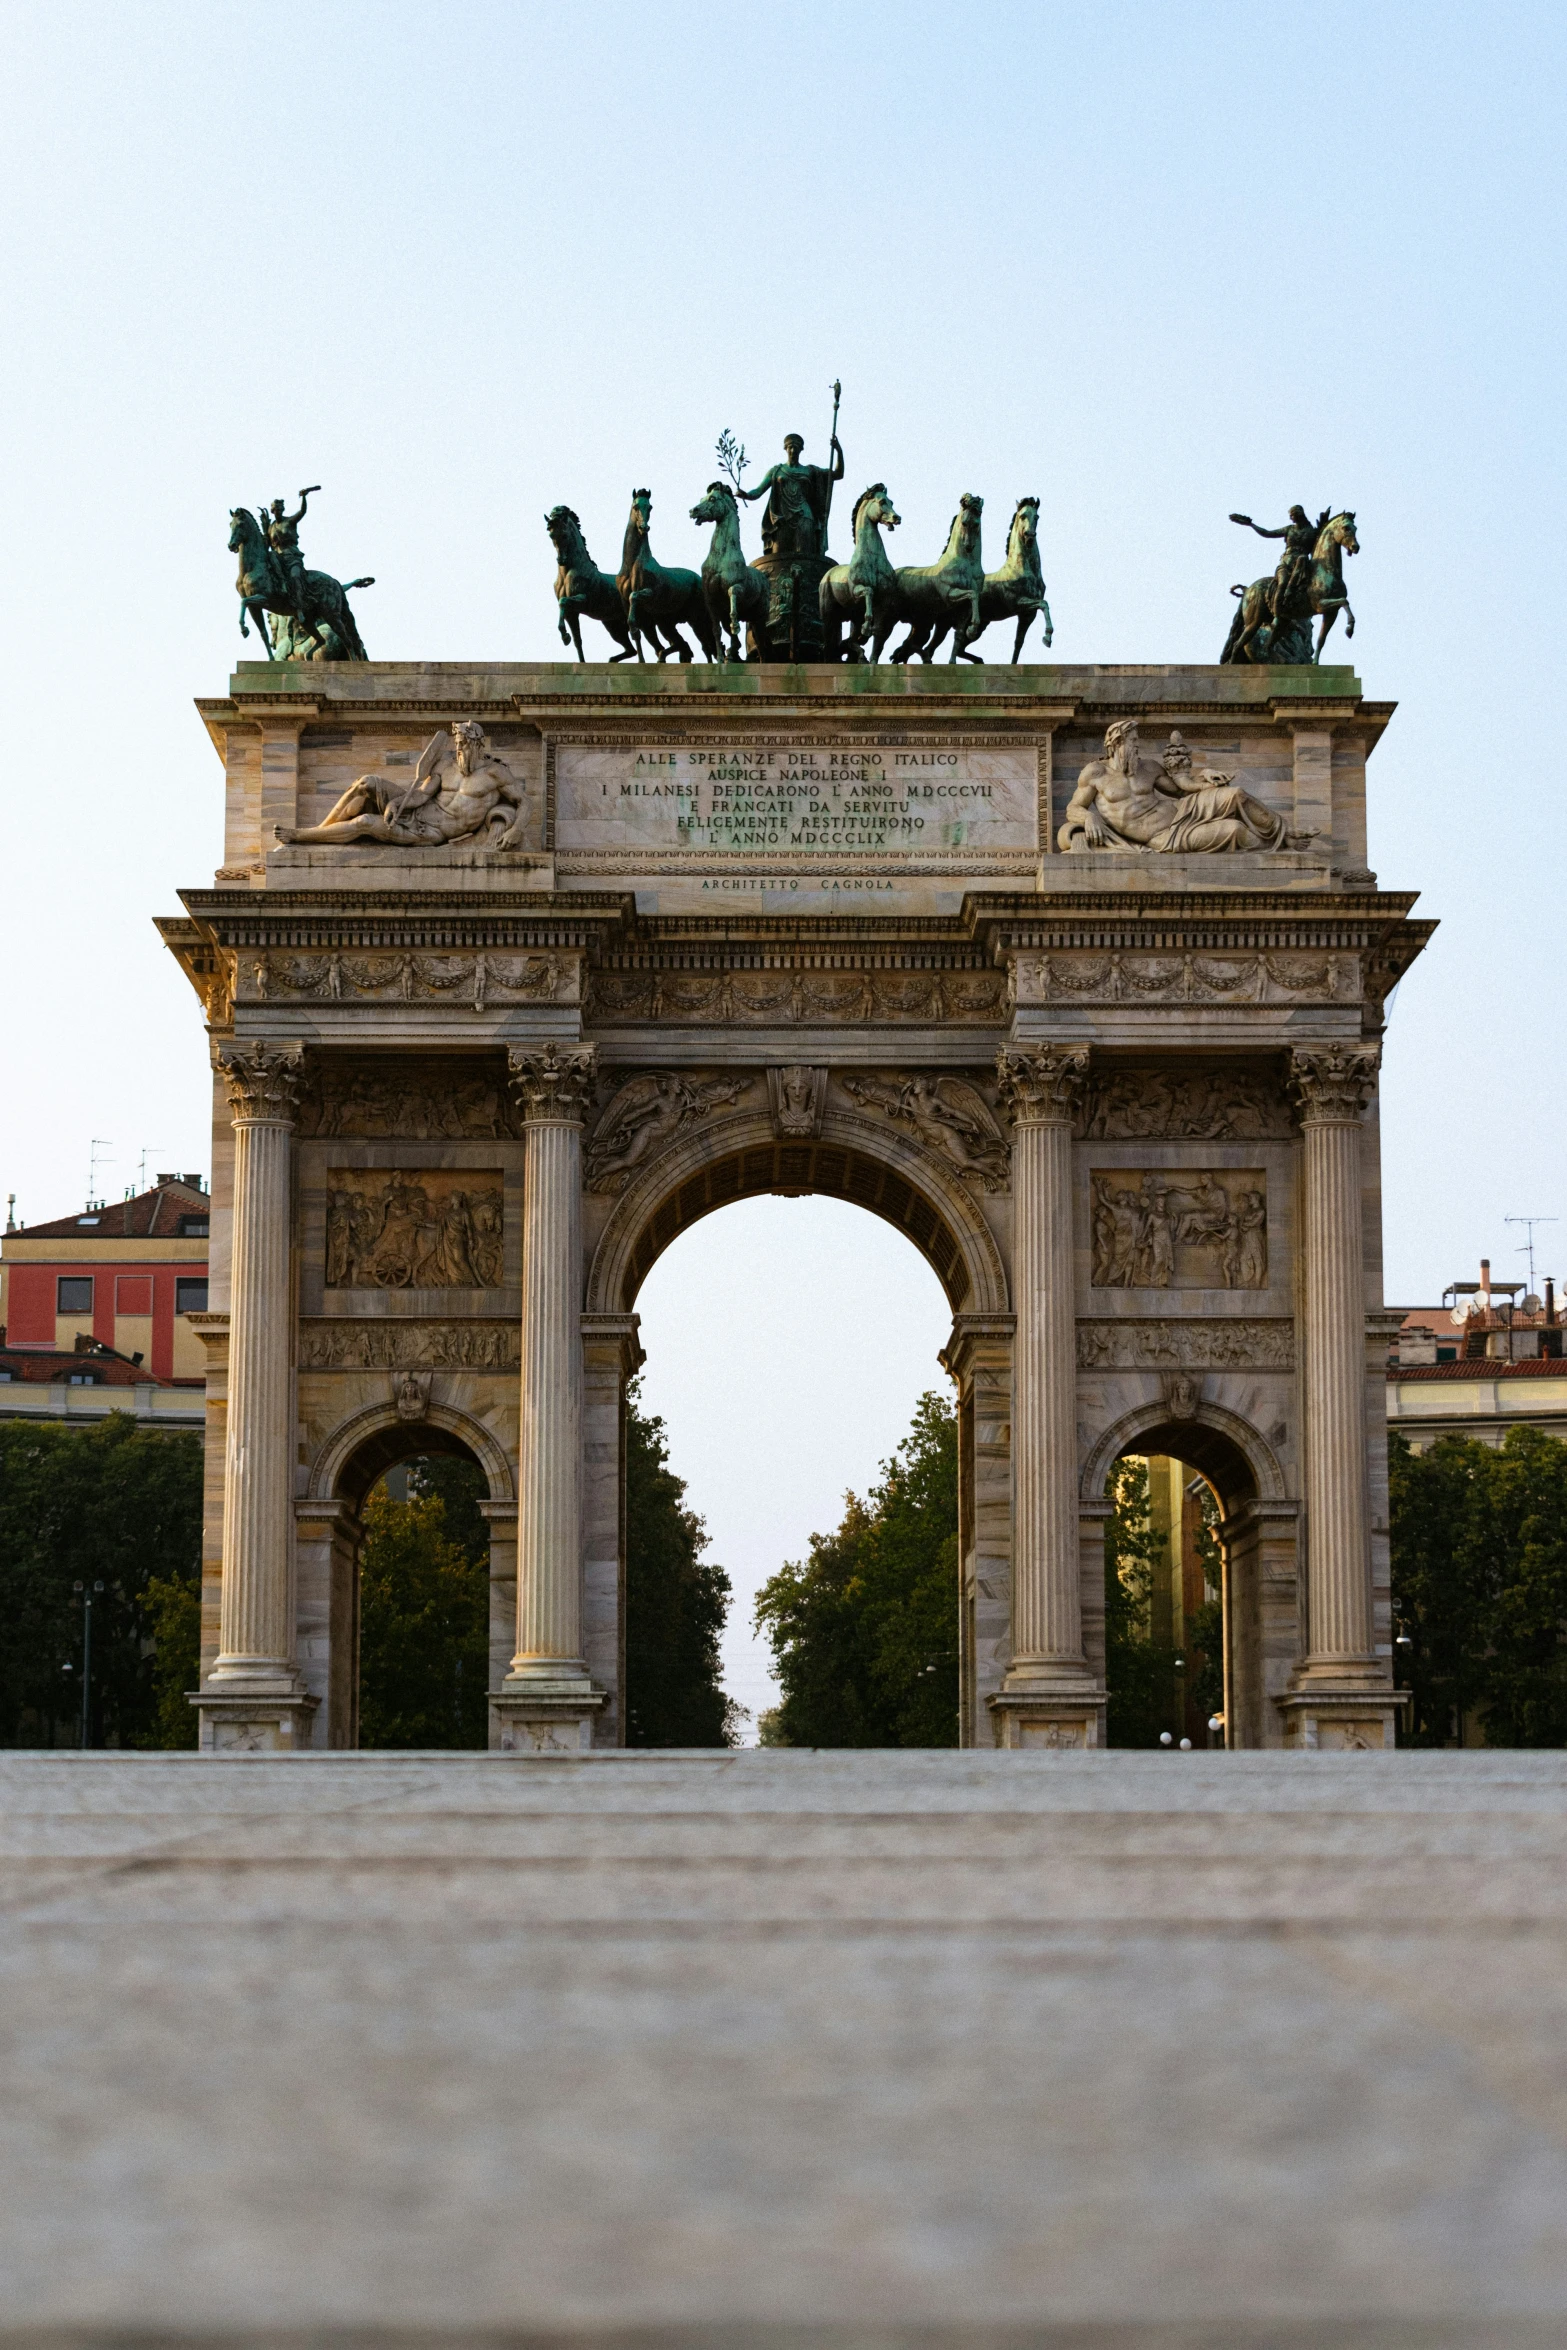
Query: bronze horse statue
{"x": 735, "y": 591}
{"x": 582, "y": 591}
{"x": 866, "y": 585}
{"x": 949, "y": 590}
{"x": 1015, "y": 592}
{"x": 325, "y": 624}
{"x": 657, "y": 597}
{"x": 1259, "y": 634}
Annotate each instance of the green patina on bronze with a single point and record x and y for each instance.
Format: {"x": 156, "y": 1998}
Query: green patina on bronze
{"x": 1272, "y": 628}
{"x": 300, "y": 615}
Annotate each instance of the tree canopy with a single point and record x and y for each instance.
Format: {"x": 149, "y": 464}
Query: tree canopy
{"x": 676, "y": 1604}
{"x": 865, "y": 1630}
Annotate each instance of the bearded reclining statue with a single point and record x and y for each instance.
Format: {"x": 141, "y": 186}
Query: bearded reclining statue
{"x": 1124, "y": 801}
{"x": 460, "y": 790}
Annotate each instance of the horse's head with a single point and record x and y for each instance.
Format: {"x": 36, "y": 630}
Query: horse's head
{"x": 1339, "y": 532}
{"x": 564, "y": 528}
{"x": 718, "y": 501}
{"x": 641, "y": 512}
{"x": 875, "y": 506}
{"x": 965, "y": 523}
{"x": 243, "y": 528}
{"x": 1025, "y": 523}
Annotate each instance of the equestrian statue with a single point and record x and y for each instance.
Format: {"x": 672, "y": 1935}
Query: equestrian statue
{"x": 300, "y": 615}
{"x": 1273, "y": 622}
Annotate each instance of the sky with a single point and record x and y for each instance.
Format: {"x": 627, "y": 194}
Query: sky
{"x": 1154, "y": 263}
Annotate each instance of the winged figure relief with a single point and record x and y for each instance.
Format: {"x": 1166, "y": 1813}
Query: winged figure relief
{"x": 647, "y": 1112}
{"x": 949, "y": 1115}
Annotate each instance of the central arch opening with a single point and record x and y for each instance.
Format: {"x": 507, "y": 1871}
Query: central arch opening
{"x": 788, "y": 1342}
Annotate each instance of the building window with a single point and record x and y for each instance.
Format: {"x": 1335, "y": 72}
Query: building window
{"x": 73, "y": 1294}
{"x": 194, "y": 1227}
{"x": 83, "y": 1379}
{"x": 190, "y": 1297}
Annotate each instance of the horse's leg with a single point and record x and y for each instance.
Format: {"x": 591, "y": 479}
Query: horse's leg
{"x": 258, "y": 613}
{"x": 1025, "y": 621}
{"x": 910, "y": 644}
{"x": 1329, "y": 615}
{"x": 634, "y": 622}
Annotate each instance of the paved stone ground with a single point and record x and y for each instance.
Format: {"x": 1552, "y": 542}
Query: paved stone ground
{"x": 1125, "y": 2052}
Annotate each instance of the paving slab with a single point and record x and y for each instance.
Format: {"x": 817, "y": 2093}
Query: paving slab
{"x": 1104, "y": 2052}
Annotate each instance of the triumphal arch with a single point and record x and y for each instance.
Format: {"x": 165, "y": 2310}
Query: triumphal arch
{"x": 1075, "y": 975}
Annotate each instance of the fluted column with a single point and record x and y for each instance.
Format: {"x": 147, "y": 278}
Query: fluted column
{"x": 256, "y": 1638}
{"x": 552, "y": 1088}
{"x": 1049, "y": 1697}
{"x": 1332, "y": 1088}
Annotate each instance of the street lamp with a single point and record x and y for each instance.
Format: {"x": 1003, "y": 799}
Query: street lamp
{"x": 87, "y": 1591}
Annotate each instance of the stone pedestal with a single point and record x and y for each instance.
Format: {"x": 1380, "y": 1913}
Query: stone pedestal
{"x": 1341, "y": 1693}
{"x": 1049, "y": 1697}
{"x": 254, "y": 1696}
{"x": 548, "y": 1700}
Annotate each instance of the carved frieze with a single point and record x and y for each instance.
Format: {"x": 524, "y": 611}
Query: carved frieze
{"x": 798, "y": 1097}
{"x": 1186, "y": 978}
{"x": 381, "y": 1345}
{"x": 420, "y": 1102}
{"x": 950, "y": 1116}
{"x": 1131, "y": 1104}
{"x": 1195, "y": 1228}
{"x": 647, "y": 1112}
{"x": 1196, "y": 1346}
{"x": 477, "y": 979}
{"x": 425, "y": 1229}
{"x": 796, "y": 995}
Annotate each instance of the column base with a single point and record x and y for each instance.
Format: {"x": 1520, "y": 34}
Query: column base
{"x": 540, "y": 1713}
{"x": 1054, "y": 1714}
{"x": 1360, "y": 1721}
{"x": 250, "y": 1722}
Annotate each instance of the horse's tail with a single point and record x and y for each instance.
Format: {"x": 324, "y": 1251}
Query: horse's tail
{"x": 1239, "y": 589}
{"x": 367, "y": 581}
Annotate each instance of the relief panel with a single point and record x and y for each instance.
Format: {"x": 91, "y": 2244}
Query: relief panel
{"x": 1185, "y": 1228}
{"x": 421, "y": 1229}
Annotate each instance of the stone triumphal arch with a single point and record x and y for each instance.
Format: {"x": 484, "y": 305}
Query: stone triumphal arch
{"x": 697, "y": 933}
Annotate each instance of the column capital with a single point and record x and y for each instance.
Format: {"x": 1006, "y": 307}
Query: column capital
{"x": 1042, "y": 1087}
{"x": 1332, "y": 1086}
{"x": 263, "y": 1080}
{"x": 552, "y": 1087}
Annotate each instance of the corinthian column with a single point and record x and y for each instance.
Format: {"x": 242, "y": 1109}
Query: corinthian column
{"x": 253, "y": 1695}
{"x": 1332, "y": 1087}
{"x": 1049, "y": 1696}
{"x": 547, "y": 1699}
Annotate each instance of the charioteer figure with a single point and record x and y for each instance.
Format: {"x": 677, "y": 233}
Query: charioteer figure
{"x": 794, "y": 545}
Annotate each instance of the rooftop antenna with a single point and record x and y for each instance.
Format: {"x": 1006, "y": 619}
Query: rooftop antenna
{"x": 147, "y": 1150}
{"x": 1528, "y": 1246}
{"x": 100, "y": 1148}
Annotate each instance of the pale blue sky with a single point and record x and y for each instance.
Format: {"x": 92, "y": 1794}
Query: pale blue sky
{"x": 458, "y": 263}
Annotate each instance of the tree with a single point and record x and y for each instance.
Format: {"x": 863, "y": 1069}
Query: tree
{"x": 865, "y": 1630}
{"x": 1139, "y": 1670}
{"x": 676, "y": 1604}
{"x": 115, "y": 1504}
{"x": 1479, "y": 1556}
{"x": 424, "y": 1604}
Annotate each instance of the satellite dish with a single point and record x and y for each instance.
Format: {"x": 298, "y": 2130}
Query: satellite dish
{"x": 1531, "y": 1304}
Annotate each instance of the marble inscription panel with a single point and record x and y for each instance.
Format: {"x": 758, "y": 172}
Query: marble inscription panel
{"x": 890, "y": 799}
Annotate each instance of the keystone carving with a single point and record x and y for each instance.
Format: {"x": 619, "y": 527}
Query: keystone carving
{"x": 798, "y": 1097}
{"x": 411, "y": 1394}
{"x": 647, "y": 1112}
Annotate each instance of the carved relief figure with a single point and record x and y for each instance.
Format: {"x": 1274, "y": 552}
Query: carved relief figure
{"x": 395, "y": 1346}
{"x": 1155, "y": 1230}
{"x": 1124, "y": 801}
{"x": 417, "y": 1103}
{"x": 460, "y": 789}
{"x": 424, "y": 1230}
{"x": 646, "y": 1113}
{"x": 950, "y": 1117}
{"x": 1128, "y": 1103}
{"x": 1262, "y": 1346}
